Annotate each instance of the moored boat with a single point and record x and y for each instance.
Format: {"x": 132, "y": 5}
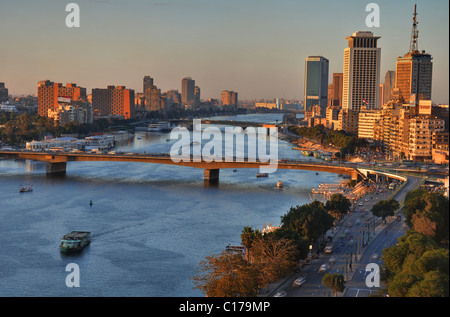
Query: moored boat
{"x": 279, "y": 184}
{"x": 307, "y": 153}
{"x": 75, "y": 241}
{"x": 26, "y": 188}
{"x": 262, "y": 175}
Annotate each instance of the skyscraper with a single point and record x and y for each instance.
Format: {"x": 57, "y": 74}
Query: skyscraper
{"x": 187, "y": 91}
{"x": 414, "y": 71}
{"x": 389, "y": 84}
{"x": 335, "y": 90}
{"x": 3, "y": 93}
{"x": 361, "y": 72}
{"x": 49, "y": 92}
{"x": 316, "y": 82}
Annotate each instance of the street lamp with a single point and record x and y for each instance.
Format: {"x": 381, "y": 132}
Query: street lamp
{"x": 310, "y": 251}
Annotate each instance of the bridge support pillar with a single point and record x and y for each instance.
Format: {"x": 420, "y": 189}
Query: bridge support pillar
{"x": 211, "y": 176}
{"x": 56, "y": 168}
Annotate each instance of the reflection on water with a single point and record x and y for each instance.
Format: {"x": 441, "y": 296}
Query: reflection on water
{"x": 151, "y": 224}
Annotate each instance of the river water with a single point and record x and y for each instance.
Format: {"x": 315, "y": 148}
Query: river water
{"x": 151, "y": 224}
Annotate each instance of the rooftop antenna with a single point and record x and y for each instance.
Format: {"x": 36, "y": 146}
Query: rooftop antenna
{"x": 413, "y": 46}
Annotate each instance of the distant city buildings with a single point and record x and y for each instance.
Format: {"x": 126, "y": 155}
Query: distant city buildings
{"x": 229, "y": 98}
{"x": 49, "y": 92}
{"x": 3, "y": 93}
{"x": 68, "y": 111}
{"x": 115, "y": 101}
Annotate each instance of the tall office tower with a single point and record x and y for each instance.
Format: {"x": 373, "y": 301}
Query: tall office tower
{"x": 114, "y": 101}
{"x": 197, "y": 94}
{"x": 316, "y": 82}
{"x": 49, "y": 92}
{"x": 225, "y": 97}
{"x": 414, "y": 71}
{"x": 381, "y": 100}
{"x": 361, "y": 72}
{"x": 3, "y": 93}
{"x": 152, "y": 95}
{"x": 148, "y": 82}
{"x": 187, "y": 91}
{"x": 234, "y": 98}
{"x": 335, "y": 90}
{"x": 389, "y": 85}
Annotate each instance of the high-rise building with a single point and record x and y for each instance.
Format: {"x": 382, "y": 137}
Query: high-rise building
{"x": 187, "y": 91}
{"x": 229, "y": 98}
{"x": 381, "y": 100}
{"x": 113, "y": 100}
{"x": 361, "y": 72}
{"x": 335, "y": 90}
{"x": 414, "y": 71}
{"x": 316, "y": 82}
{"x": 3, "y": 93}
{"x": 49, "y": 92}
{"x": 152, "y": 96}
{"x": 389, "y": 85}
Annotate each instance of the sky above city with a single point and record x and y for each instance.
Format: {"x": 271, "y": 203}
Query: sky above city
{"x": 255, "y": 47}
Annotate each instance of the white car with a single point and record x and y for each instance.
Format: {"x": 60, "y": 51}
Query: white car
{"x": 300, "y": 281}
{"x": 280, "y": 294}
{"x": 323, "y": 268}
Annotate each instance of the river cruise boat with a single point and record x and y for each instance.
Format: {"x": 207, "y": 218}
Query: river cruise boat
{"x": 162, "y": 126}
{"x": 26, "y": 188}
{"x": 75, "y": 241}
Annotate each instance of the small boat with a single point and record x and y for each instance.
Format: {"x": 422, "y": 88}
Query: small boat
{"x": 262, "y": 175}
{"x": 280, "y": 184}
{"x": 307, "y": 153}
{"x": 75, "y": 241}
{"x": 317, "y": 155}
{"x": 235, "y": 248}
{"x": 26, "y": 188}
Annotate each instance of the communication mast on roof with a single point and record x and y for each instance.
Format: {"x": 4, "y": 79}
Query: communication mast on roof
{"x": 413, "y": 46}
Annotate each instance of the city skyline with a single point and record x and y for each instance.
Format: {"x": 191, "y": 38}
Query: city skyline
{"x": 256, "y": 48}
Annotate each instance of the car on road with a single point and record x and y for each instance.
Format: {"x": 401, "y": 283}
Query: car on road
{"x": 280, "y": 294}
{"x": 361, "y": 204}
{"x": 328, "y": 249}
{"x": 332, "y": 260}
{"x": 323, "y": 268}
{"x": 299, "y": 281}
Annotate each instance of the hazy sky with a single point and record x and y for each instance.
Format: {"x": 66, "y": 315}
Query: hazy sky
{"x": 255, "y": 47}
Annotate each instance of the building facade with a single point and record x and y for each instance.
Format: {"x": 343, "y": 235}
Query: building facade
{"x": 187, "y": 91}
{"x": 49, "y": 92}
{"x": 117, "y": 101}
{"x": 316, "y": 82}
{"x": 361, "y": 77}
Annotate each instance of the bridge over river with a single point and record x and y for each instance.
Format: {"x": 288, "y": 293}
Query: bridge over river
{"x": 57, "y": 163}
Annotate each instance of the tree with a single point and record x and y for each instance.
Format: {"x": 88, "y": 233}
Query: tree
{"x": 427, "y": 212}
{"x": 416, "y": 266}
{"x": 227, "y": 275}
{"x": 334, "y": 281}
{"x": 309, "y": 221}
{"x": 385, "y": 208}
{"x": 248, "y": 237}
{"x": 338, "y": 205}
{"x": 274, "y": 257}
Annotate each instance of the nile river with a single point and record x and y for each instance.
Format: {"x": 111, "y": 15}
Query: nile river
{"x": 151, "y": 224}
